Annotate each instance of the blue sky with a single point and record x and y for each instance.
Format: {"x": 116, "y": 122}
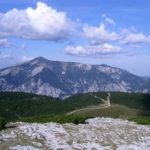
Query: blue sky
{"x": 111, "y": 32}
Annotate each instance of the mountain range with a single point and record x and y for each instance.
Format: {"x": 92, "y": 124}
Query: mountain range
{"x": 62, "y": 79}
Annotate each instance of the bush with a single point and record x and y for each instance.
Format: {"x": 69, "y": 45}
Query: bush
{"x": 56, "y": 118}
{"x": 141, "y": 120}
{"x": 2, "y": 123}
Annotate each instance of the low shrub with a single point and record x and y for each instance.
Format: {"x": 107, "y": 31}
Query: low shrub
{"x": 2, "y": 123}
{"x": 56, "y": 118}
{"x": 141, "y": 120}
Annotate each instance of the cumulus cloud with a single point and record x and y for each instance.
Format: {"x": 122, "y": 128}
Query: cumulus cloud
{"x": 4, "y": 42}
{"x": 104, "y": 49}
{"x": 100, "y": 40}
{"x": 43, "y": 23}
{"x": 99, "y": 35}
{"x": 133, "y": 37}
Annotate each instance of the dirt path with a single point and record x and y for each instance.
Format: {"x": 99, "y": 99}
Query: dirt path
{"x": 88, "y": 109}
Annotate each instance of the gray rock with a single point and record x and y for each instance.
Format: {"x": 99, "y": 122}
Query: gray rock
{"x": 62, "y": 79}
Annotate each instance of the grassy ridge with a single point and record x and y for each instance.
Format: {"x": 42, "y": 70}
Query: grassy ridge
{"x": 114, "y": 111}
{"x": 31, "y": 107}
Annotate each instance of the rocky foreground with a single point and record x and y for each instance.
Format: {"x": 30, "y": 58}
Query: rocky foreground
{"x": 97, "y": 134}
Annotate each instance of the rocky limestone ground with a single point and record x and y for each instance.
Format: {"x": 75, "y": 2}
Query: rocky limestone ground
{"x": 96, "y": 134}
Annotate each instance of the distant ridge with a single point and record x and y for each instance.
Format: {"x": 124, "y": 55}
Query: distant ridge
{"x": 61, "y": 79}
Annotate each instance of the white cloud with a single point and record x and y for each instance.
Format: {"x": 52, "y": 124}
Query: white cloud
{"x": 23, "y": 47}
{"x": 108, "y": 20}
{"x": 26, "y": 58}
{"x": 4, "y": 42}
{"x": 43, "y": 22}
{"x": 100, "y": 40}
{"x": 2, "y": 56}
{"x": 17, "y": 59}
{"x": 11, "y": 60}
{"x": 104, "y": 49}
{"x": 5, "y": 60}
{"x": 132, "y": 37}
{"x": 99, "y": 35}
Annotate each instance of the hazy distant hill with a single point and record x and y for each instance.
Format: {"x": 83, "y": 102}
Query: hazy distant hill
{"x": 60, "y": 79}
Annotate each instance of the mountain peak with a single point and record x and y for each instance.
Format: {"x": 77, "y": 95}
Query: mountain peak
{"x": 60, "y": 79}
{"x": 39, "y": 58}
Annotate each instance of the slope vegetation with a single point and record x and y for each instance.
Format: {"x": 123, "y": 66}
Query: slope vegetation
{"x": 34, "y": 108}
